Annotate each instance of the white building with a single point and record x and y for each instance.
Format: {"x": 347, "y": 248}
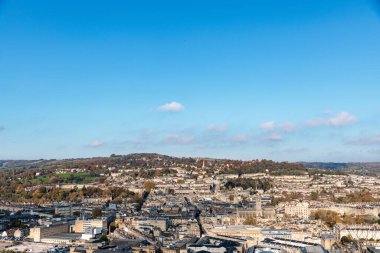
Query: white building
{"x": 297, "y": 209}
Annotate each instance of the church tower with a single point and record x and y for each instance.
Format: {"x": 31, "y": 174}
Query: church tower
{"x": 259, "y": 210}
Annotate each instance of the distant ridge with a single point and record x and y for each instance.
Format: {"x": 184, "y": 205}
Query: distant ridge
{"x": 370, "y": 167}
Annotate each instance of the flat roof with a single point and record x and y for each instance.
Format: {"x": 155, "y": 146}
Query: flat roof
{"x": 70, "y": 236}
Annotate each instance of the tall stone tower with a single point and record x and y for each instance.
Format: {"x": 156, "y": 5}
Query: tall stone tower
{"x": 217, "y": 185}
{"x": 259, "y": 210}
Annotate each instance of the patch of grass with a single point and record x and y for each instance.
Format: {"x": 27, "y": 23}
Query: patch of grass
{"x": 77, "y": 178}
{"x": 40, "y": 179}
{"x": 73, "y": 175}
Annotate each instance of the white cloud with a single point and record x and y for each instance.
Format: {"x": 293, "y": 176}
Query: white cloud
{"x": 275, "y": 137}
{"x": 217, "y": 128}
{"x": 342, "y": 119}
{"x": 337, "y": 120}
{"x": 269, "y": 125}
{"x": 178, "y": 139}
{"x": 275, "y": 132}
{"x": 96, "y": 144}
{"x": 171, "y": 107}
{"x": 285, "y": 127}
{"x": 241, "y": 138}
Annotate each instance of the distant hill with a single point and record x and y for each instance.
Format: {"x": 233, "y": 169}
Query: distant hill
{"x": 22, "y": 163}
{"x": 371, "y": 167}
{"x": 154, "y": 160}
{"x": 325, "y": 166}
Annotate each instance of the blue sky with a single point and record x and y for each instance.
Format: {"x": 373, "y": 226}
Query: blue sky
{"x": 288, "y": 80}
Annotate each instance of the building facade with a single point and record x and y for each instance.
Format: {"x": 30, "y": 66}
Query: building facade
{"x": 297, "y": 209}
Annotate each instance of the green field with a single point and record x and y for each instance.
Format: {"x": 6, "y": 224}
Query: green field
{"x": 78, "y": 178}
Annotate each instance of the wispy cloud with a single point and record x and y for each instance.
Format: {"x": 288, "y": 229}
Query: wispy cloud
{"x": 217, "y": 128}
{"x": 96, "y": 144}
{"x": 275, "y": 137}
{"x": 171, "y": 107}
{"x": 337, "y": 120}
{"x": 275, "y": 131}
{"x": 178, "y": 139}
{"x": 365, "y": 140}
{"x": 240, "y": 138}
{"x": 283, "y": 127}
{"x": 316, "y": 122}
{"x": 287, "y": 127}
{"x": 2, "y": 128}
{"x": 269, "y": 125}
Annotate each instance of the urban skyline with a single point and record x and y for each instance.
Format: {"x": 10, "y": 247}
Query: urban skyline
{"x": 196, "y": 126}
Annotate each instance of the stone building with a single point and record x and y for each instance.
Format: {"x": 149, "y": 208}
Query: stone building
{"x": 297, "y": 209}
{"x": 39, "y": 233}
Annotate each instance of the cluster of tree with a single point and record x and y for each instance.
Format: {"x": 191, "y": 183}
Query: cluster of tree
{"x": 264, "y": 166}
{"x": 9, "y": 251}
{"x": 250, "y": 221}
{"x": 149, "y": 185}
{"x": 15, "y": 181}
{"x": 8, "y": 185}
{"x": 286, "y": 197}
{"x": 17, "y": 224}
{"x": 357, "y": 196}
{"x": 103, "y": 238}
{"x": 140, "y": 160}
{"x": 346, "y": 240}
{"x": 97, "y": 212}
{"x": 359, "y": 219}
{"x": 329, "y": 217}
{"x": 314, "y": 195}
{"x": 151, "y": 173}
{"x": 44, "y": 194}
{"x": 260, "y": 184}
